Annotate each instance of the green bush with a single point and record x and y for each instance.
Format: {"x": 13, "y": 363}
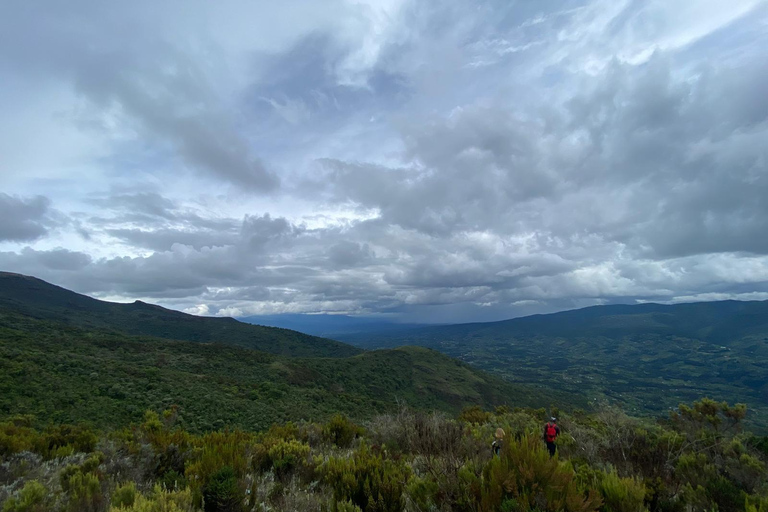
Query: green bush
{"x": 280, "y": 455}
{"x": 756, "y": 504}
{"x": 124, "y": 495}
{"x": 622, "y": 494}
{"x": 475, "y": 414}
{"x": 423, "y": 493}
{"x": 33, "y": 497}
{"x": 347, "y": 506}
{"x": 286, "y": 455}
{"x": 340, "y": 431}
{"x": 372, "y": 483}
{"x": 526, "y": 477}
{"x": 82, "y": 485}
{"x": 159, "y": 501}
{"x": 216, "y": 451}
{"x": 222, "y": 492}
{"x": 63, "y": 440}
{"x": 84, "y": 491}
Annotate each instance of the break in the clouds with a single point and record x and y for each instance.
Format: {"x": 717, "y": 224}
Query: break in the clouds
{"x": 433, "y": 161}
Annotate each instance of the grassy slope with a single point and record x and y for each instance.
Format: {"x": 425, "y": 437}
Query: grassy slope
{"x": 63, "y": 373}
{"x": 36, "y": 298}
{"x": 647, "y": 357}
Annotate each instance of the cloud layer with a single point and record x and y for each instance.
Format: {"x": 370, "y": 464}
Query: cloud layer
{"x": 431, "y": 161}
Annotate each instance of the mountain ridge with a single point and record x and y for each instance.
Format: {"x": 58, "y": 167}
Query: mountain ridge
{"x": 73, "y": 372}
{"x": 646, "y": 357}
{"x": 37, "y": 298}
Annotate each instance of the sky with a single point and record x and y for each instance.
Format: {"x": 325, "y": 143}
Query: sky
{"x": 422, "y": 161}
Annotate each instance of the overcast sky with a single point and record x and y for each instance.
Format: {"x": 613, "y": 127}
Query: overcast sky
{"x": 437, "y": 161}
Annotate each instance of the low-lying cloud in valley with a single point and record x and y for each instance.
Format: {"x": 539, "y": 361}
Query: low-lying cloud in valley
{"x": 430, "y": 161}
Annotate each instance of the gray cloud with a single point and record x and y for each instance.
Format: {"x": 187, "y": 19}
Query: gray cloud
{"x": 151, "y": 85}
{"x": 421, "y": 160}
{"x": 23, "y": 219}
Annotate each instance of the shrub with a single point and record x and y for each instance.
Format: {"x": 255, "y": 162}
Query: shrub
{"x": 345, "y": 506}
{"x": 124, "y": 495}
{"x": 756, "y": 504}
{"x": 217, "y": 451}
{"x": 370, "y": 482}
{"x": 622, "y": 494}
{"x": 32, "y": 497}
{"x": 222, "y": 493}
{"x": 423, "y": 493}
{"x": 284, "y": 456}
{"x": 84, "y": 490}
{"x": 82, "y": 485}
{"x": 340, "y": 431}
{"x": 63, "y": 440}
{"x": 475, "y": 414}
{"x": 527, "y": 478}
{"x": 17, "y": 435}
{"x": 159, "y": 501}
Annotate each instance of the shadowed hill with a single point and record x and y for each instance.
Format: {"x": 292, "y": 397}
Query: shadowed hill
{"x": 38, "y": 299}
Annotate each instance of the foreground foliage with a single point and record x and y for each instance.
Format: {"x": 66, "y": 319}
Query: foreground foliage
{"x": 697, "y": 459}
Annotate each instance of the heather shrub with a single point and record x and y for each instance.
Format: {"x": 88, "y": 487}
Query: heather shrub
{"x": 526, "y": 478}
{"x": 423, "y": 493}
{"x": 475, "y": 414}
{"x": 621, "y": 494}
{"x": 124, "y": 495}
{"x": 340, "y": 431}
{"x": 345, "y": 506}
{"x": 282, "y": 455}
{"x": 82, "y": 485}
{"x": 221, "y": 492}
{"x": 372, "y": 483}
{"x": 33, "y": 497}
{"x": 216, "y": 451}
{"x": 159, "y": 500}
{"x": 756, "y": 504}
{"x": 63, "y": 440}
{"x": 84, "y": 491}
{"x": 17, "y": 435}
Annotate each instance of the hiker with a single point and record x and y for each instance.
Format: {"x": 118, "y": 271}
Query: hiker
{"x": 551, "y": 431}
{"x": 498, "y": 443}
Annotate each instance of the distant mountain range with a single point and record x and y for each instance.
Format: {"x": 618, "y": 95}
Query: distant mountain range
{"x": 65, "y": 357}
{"x": 329, "y": 326}
{"x": 648, "y": 357}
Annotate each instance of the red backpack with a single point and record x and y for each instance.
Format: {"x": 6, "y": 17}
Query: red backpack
{"x": 550, "y": 433}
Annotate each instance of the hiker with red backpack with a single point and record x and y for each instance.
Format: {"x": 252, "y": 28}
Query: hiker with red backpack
{"x": 551, "y": 431}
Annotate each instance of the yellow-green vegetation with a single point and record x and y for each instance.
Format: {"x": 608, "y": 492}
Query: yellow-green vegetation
{"x": 699, "y": 458}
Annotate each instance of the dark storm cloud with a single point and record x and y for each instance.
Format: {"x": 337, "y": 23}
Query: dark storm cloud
{"x": 23, "y": 219}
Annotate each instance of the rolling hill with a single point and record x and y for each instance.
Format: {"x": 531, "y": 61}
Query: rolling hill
{"x": 38, "y": 299}
{"x": 57, "y": 364}
{"x": 648, "y": 357}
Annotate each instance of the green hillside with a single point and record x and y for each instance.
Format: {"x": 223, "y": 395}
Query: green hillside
{"x": 647, "y": 357}
{"x": 36, "y": 298}
{"x": 61, "y": 373}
